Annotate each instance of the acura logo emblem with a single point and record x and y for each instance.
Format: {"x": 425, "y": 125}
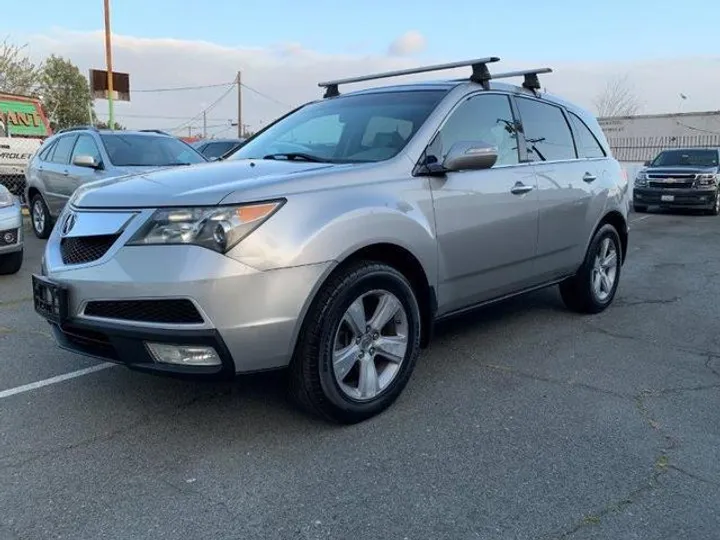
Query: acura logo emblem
{"x": 69, "y": 223}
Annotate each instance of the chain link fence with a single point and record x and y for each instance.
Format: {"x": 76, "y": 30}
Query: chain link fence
{"x": 15, "y": 153}
{"x": 641, "y": 149}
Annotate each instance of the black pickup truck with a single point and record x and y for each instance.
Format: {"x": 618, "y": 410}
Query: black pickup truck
{"x": 680, "y": 178}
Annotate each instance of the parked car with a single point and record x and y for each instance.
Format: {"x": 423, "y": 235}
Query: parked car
{"x": 680, "y": 178}
{"x": 217, "y": 148}
{"x": 11, "y": 233}
{"x": 332, "y": 241}
{"x": 77, "y": 156}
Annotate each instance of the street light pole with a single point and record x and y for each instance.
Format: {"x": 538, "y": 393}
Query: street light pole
{"x": 108, "y": 61}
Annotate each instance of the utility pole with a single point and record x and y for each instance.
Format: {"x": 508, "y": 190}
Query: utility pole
{"x": 204, "y": 124}
{"x": 108, "y": 61}
{"x": 239, "y": 96}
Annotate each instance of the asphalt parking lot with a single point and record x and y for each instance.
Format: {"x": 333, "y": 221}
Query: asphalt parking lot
{"x": 521, "y": 421}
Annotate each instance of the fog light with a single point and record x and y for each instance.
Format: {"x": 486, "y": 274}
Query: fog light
{"x": 185, "y": 355}
{"x": 9, "y": 237}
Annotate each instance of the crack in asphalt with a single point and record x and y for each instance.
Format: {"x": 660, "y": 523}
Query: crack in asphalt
{"x": 694, "y": 476}
{"x": 644, "y": 302}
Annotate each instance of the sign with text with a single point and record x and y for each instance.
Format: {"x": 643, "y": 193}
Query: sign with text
{"x": 99, "y": 85}
{"x": 22, "y": 116}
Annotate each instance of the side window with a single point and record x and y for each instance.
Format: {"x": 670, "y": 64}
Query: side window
{"x": 63, "y": 148}
{"x": 485, "y": 117}
{"x": 86, "y": 146}
{"x": 47, "y": 152}
{"x": 547, "y": 132}
{"x": 587, "y": 145}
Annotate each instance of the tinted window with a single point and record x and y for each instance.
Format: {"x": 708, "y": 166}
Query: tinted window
{"x": 85, "y": 146}
{"x": 354, "y": 128}
{"x": 546, "y": 131}
{"x": 63, "y": 147}
{"x": 487, "y": 118}
{"x": 587, "y": 145}
{"x": 45, "y": 154}
{"x": 217, "y": 149}
{"x": 129, "y": 150}
{"x": 688, "y": 158}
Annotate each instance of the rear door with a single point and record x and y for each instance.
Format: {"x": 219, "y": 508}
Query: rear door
{"x": 564, "y": 187}
{"x": 57, "y": 173}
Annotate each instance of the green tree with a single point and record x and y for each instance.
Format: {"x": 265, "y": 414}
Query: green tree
{"x": 18, "y": 74}
{"x": 102, "y": 124}
{"x": 66, "y": 94}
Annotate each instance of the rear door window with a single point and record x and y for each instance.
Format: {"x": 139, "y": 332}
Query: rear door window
{"x": 587, "y": 145}
{"x": 547, "y": 132}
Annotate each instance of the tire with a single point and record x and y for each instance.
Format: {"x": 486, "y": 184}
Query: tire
{"x": 40, "y": 217}
{"x": 11, "y": 263}
{"x": 578, "y": 292}
{"x": 331, "y": 393}
{"x": 640, "y": 209}
{"x": 715, "y": 210}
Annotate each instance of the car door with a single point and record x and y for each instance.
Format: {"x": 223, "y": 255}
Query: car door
{"x": 564, "y": 187}
{"x": 486, "y": 220}
{"x": 57, "y": 173}
{"x": 84, "y": 146}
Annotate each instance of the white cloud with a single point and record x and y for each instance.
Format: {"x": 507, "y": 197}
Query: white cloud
{"x": 287, "y": 75}
{"x": 409, "y": 43}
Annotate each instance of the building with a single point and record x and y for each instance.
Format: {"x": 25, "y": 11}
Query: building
{"x": 636, "y": 139}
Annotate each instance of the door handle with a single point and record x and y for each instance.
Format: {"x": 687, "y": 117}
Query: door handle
{"x": 521, "y": 189}
{"x": 589, "y": 177}
{"x": 66, "y": 173}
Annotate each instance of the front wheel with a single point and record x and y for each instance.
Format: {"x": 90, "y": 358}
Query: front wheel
{"x": 11, "y": 263}
{"x": 593, "y": 288}
{"x": 358, "y": 345}
{"x": 715, "y": 210}
{"x": 40, "y": 217}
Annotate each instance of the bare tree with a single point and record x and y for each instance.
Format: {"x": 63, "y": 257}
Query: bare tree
{"x": 18, "y": 74}
{"x": 617, "y": 98}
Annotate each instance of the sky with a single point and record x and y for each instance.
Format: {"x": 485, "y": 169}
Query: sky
{"x": 283, "y": 50}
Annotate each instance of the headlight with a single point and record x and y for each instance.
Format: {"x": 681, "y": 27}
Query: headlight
{"x": 707, "y": 179}
{"x": 217, "y": 228}
{"x": 641, "y": 179}
{"x": 6, "y": 198}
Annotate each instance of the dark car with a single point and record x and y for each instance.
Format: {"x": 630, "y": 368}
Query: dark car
{"x": 217, "y": 148}
{"x": 680, "y": 178}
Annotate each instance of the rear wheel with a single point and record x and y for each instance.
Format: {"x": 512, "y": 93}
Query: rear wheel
{"x": 11, "y": 263}
{"x": 40, "y": 217}
{"x": 358, "y": 345}
{"x": 593, "y": 288}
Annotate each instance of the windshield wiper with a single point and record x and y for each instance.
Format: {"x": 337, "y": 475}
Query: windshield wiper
{"x": 296, "y": 155}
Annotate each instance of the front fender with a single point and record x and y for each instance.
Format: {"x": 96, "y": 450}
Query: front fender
{"x": 330, "y": 225}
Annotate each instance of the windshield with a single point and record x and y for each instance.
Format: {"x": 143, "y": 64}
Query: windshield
{"x": 347, "y": 129}
{"x": 128, "y": 150}
{"x": 686, "y": 158}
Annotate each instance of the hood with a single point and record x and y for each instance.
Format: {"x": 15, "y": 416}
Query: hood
{"x": 680, "y": 171}
{"x": 194, "y": 185}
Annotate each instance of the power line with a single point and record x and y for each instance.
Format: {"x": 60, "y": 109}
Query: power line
{"x": 262, "y": 94}
{"x": 159, "y": 117}
{"x": 183, "y": 88}
{"x": 206, "y": 109}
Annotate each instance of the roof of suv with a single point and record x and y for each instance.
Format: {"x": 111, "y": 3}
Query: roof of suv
{"x": 143, "y": 132}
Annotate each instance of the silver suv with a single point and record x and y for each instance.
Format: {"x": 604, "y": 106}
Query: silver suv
{"x": 333, "y": 240}
{"x": 79, "y": 155}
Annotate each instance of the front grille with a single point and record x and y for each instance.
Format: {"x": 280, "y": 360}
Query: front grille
{"x": 85, "y": 249}
{"x": 671, "y": 185}
{"x": 684, "y": 176}
{"x": 171, "y": 311}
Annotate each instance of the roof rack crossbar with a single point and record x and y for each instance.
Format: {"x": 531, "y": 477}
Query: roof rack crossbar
{"x": 77, "y": 128}
{"x": 478, "y": 65}
{"x": 531, "y": 81}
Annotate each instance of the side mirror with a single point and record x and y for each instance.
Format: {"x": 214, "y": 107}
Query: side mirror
{"x": 646, "y": 164}
{"x": 86, "y": 161}
{"x": 469, "y": 156}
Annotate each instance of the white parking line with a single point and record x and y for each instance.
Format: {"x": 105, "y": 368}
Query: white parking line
{"x": 640, "y": 219}
{"x": 53, "y": 380}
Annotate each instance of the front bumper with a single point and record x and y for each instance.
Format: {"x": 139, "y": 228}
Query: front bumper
{"x": 250, "y": 317}
{"x": 675, "y": 198}
{"x": 11, "y": 222}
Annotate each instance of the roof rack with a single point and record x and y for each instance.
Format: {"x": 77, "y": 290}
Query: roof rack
{"x": 160, "y": 131}
{"x": 480, "y": 75}
{"x": 77, "y": 128}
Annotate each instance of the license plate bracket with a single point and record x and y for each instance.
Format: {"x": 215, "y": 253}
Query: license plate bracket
{"x": 667, "y": 198}
{"x": 50, "y": 299}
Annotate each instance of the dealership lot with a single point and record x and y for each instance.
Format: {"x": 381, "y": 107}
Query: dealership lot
{"x": 521, "y": 421}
